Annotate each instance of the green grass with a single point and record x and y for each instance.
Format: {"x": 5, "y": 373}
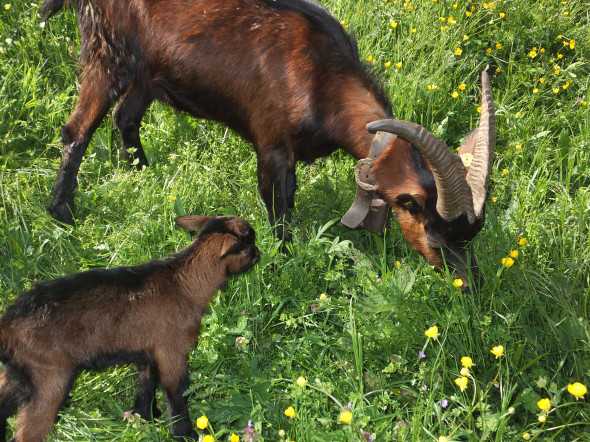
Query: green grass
{"x": 359, "y": 346}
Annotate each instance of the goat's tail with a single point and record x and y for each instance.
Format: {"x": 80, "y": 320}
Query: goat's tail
{"x": 52, "y": 7}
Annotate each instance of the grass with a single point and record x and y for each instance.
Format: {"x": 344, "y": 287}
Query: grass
{"x": 357, "y": 345}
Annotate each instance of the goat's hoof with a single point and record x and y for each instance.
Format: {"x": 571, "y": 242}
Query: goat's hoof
{"x": 61, "y": 212}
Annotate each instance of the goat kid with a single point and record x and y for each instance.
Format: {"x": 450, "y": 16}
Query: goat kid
{"x": 148, "y": 315}
{"x": 285, "y": 75}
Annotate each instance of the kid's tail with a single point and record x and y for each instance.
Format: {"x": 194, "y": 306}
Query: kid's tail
{"x": 52, "y": 7}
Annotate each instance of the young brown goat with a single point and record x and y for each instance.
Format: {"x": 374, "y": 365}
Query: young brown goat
{"x": 285, "y": 75}
{"x": 147, "y": 315}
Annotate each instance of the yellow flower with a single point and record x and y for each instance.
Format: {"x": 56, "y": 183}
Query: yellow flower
{"x": 465, "y": 37}
{"x": 398, "y": 65}
{"x": 208, "y": 438}
{"x": 413, "y": 30}
{"x": 494, "y": 199}
{"x": 290, "y": 412}
{"x": 345, "y": 416}
{"x": 518, "y": 147}
{"x": 499, "y": 45}
{"x": 462, "y": 87}
{"x": 535, "y": 90}
{"x": 458, "y": 51}
{"x": 556, "y": 90}
{"x": 455, "y": 5}
{"x": 370, "y": 59}
{"x": 502, "y": 15}
{"x": 431, "y": 87}
{"x": 301, "y": 382}
{"x": 455, "y": 94}
{"x": 526, "y": 436}
{"x": 498, "y": 70}
{"x": 467, "y": 362}
{"x": 542, "y": 50}
{"x": 533, "y": 53}
{"x": 432, "y": 332}
{"x": 507, "y": 262}
{"x": 451, "y": 20}
{"x": 544, "y": 404}
{"x": 234, "y": 438}
{"x": 344, "y": 24}
{"x": 489, "y": 51}
{"x": 572, "y": 44}
{"x": 478, "y": 109}
{"x": 387, "y": 64}
{"x": 202, "y": 423}
{"x": 443, "y": 439}
{"x": 556, "y": 69}
{"x": 468, "y": 13}
{"x": 514, "y": 254}
{"x": 7, "y": 6}
{"x": 393, "y": 24}
{"x": 577, "y": 390}
{"x": 566, "y": 85}
{"x": 505, "y": 172}
{"x": 497, "y": 351}
{"x": 464, "y": 372}
{"x": 522, "y": 241}
{"x": 398, "y": 264}
{"x": 542, "y": 418}
{"x": 324, "y": 297}
{"x": 462, "y": 382}
{"x": 458, "y": 283}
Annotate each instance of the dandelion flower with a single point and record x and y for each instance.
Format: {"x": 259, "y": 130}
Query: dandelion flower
{"x": 462, "y": 382}
{"x": 497, "y": 351}
{"x": 514, "y": 254}
{"x": 458, "y": 283}
{"x": 458, "y": 51}
{"x": 234, "y": 438}
{"x": 542, "y": 418}
{"x": 290, "y": 412}
{"x": 208, "y": 438}
{"x": 507, "y": 262}
{"x": 432, "y": 332}
{"x": 301, "y": 382}
{"x": 455, "y": 94}
{"x": 467, "y": 362}
{"x": 577, "y": 390}
{"x": 544, "y": 404}
{"x": 202, "y": 422}
{"x": 465, "y": 372}
{"x": 345, "y": 416}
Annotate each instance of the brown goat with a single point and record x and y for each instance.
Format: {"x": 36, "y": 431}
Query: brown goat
{"x": 147, "y": 315}
{"x": 283, "y": 74}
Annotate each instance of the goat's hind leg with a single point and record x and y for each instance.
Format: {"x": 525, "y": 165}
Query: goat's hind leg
{"x": 145, "y": 398}
{"x": 127, "y": 118}
{"x": 95, "y": 99}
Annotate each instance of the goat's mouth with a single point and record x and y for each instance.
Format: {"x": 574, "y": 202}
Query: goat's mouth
{"x": 463, "y": 264}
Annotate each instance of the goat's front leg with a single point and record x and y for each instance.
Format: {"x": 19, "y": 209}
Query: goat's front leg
{"x": 127, "y": 117}
{"x": 277, "y": 183}
{"x": 145, "y": 398}
{"x": 173, "y": 375}
{"x": 93, "y": 104}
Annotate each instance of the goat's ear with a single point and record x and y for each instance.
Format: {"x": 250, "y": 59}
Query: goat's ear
{"x": 230, "y": 245}
{"x": 192, "y": 223}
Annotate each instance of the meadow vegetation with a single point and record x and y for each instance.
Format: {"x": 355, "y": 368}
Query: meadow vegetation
{"x": 349, "y": 336}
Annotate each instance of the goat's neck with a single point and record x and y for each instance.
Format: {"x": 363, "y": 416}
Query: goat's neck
{"x": 199, "y": 277}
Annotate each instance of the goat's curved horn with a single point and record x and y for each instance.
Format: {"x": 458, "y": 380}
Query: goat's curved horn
{"x": 454, "y": 194}
{"x": 483, "y": 150}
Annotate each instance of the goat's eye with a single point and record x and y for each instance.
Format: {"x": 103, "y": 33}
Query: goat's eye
{"x": 410, "y": 205}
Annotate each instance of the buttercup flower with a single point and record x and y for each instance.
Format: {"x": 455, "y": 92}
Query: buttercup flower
{"x": 455, "y": 94}
{"x": 572, "y": 44}
{"x": 462, "y": 87}
{"x": 345, "y": 416}
{"x": 526, "y": 436}
{"x": 208, "y": 438}
{"x": 393, "y": 24}
{"x": 458, "y": 52}
{"x": 370, "y": 59}
{"x": 443, "y": 439}
{"x": 507, "y": 262}
{"x": 458, "y": 283}
{"x": 533, "y": 53}
{"x": 535, "y": 90}
{"x": 467, "y": 362}
{"x": 234, "y": 438}
{"x": 514, "y": 254}
{"x": 542, "y": 418}
{"x": 544, "y": 404}
{"x": 387, "y": 64}
{"x": 497, "y": 351}
{"x": 577, "y": 390}
{"x": 462, "y": 382}
{"x": 432, "y": 332}
{"x": 502, "y": 15}
{"x": 290, "y": 412}
{"x": 7, "y": 6}
{"x": 465, "y": 372}
{"x": 202, "y": 422}
{"x": 398, "y": 65}
{"x": 499, "y": 45}
{"x": 301, "y": 382}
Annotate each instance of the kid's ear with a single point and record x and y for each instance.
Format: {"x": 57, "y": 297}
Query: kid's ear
{"x": 192, "y": 223}
{"x": 230, "y": 245}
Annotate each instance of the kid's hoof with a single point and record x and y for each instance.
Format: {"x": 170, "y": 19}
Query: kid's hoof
{"x": 62, "y": 213}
